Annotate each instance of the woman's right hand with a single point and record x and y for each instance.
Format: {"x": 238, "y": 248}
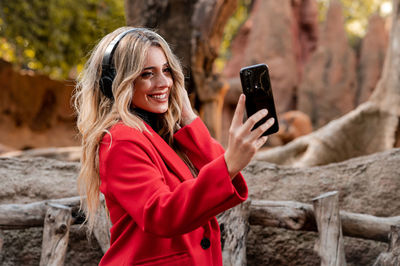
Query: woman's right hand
{"x": 243, "y": 142}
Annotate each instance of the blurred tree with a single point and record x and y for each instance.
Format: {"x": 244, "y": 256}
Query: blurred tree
{"x": 52, "y": 35}
{"x": 356, "y": 13}
{"x": 232, "y": 26}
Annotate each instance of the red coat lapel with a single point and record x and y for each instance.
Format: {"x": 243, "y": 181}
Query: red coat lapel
{"x": 169, "y": 156}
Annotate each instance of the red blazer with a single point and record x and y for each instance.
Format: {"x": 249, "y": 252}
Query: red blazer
{"x": 161, "y": 215}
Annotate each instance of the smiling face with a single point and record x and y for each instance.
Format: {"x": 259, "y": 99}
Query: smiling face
{"x": 153, "y": 86}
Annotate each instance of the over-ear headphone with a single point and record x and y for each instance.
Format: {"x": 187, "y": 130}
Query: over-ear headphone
{"x": 108, "y": 71}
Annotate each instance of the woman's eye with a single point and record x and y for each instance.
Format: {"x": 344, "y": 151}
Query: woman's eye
{"x": 168, "y": 70}
{"x": 146, "y": 74}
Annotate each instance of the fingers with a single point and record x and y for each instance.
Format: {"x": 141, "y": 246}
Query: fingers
{"x": 239, "y": 112}
{"x": 252, "y": 120}
{"x": 261, "y": 141}
{"x": 187, "y": 115}
{"x": 256, "y": 133}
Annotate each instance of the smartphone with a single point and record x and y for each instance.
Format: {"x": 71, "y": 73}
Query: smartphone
{"x": 256, "y": 85}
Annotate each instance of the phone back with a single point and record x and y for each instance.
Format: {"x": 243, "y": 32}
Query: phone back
{"x": 256, "y": 86}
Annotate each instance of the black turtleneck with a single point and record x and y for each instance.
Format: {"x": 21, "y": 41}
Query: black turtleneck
{"x": 156, "y": 121}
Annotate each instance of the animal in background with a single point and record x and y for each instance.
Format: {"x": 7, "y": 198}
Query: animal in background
{"x": 292, "y": 124}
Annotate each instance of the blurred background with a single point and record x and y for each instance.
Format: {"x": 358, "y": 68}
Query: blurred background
{"x": 325, "y": 58}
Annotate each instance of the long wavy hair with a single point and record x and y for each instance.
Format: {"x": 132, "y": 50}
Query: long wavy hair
{"x": 96, "y": 114}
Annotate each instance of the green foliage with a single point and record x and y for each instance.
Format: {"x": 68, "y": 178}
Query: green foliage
{"x": 356, "y": 14}
{"x": 231, "y": 28}
{"x": 55, "y": 35}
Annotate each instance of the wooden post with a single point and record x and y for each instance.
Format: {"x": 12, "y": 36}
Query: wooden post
{"x": 392, "y": 256}
{"x": 1, "y": 244}
{"x": 55, "y": 235}
{"x": 330, "y": 243}
{"x": 18, "y": 216}
{"x": 212, "y": 97}
{"x": 234, "y": 228}
{"x": 300, "y": 216}
{"x": 102, "y": 227}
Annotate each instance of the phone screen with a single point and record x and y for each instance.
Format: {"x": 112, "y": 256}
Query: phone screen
{"x": 256, "y": 85}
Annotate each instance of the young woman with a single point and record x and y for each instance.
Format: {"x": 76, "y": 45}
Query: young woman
{"x": 163, "y": 177}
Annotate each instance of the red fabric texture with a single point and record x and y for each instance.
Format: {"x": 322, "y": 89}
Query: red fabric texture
{"x": 160, "y": 213}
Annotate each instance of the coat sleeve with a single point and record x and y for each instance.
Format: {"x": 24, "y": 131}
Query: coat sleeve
{"x": 138, "y": 185}
{"x": 201, "y": 148}
{"x": 198, "y": 144}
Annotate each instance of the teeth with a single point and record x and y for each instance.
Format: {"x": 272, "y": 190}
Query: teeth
{"x": 159, "y": 96}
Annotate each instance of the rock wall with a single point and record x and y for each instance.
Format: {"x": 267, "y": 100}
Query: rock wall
{"x": 366, "y": 185}
{"x": 372, "y": 57}
{"x": 281, "y": 34}
{"x": 36, "y": 179}
{"x": 35, "y": 111}
{"x": 313, "y": 68}
{"x": 329, "y": 86}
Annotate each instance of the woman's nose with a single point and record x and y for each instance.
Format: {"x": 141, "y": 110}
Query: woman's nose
{"x": 164, "y": 80}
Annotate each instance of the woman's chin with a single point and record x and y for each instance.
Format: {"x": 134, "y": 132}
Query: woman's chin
{"x": 159, "y": 110}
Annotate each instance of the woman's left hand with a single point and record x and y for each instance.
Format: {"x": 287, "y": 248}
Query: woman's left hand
{"x": 188, "y": 115}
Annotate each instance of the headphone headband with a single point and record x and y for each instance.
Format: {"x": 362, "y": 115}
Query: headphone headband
{"x": 108, "y": 70}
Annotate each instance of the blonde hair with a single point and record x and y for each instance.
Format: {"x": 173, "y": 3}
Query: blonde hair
{"x": 96, "y": 113}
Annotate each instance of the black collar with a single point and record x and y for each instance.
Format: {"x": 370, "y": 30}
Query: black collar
{"x": 156, "y": 121}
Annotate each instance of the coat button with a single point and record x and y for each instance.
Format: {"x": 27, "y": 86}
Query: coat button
{"x": 205, "y": 243}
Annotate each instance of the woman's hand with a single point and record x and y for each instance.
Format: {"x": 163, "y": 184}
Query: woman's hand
{"x": 188, "y": 114}
{"x": 243, "y": 142}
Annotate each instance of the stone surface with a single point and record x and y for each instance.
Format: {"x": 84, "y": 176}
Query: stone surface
{"x": 372, "y": 57}
{"x": 23, "y": 247}
{"x": 329, "y": 84}
{"x": 277, "y": 247}
{"x": 35, "y": 111}
{"x": 366, "y": 185}
{"x": 35, "y": 179}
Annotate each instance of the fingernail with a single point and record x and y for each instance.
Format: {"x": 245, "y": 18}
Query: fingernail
{"x": 271, "y": 121}
{"x": 264, "y": 112}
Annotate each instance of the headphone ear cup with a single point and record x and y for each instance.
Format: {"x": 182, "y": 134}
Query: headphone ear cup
{"x": 106, "y": 83}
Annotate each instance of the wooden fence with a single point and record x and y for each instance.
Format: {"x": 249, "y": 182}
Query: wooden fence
{"x": 324, "y": 216}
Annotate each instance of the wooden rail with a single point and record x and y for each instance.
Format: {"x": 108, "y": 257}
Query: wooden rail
{"x": 284, "y": 214}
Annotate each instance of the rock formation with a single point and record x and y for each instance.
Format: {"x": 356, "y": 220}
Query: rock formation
{"x": 35, "y": 111}
{"x": 372, "y": 56}
{"x": 305, "y": 30}
{"x": 281, "y": 34}
{"x": 328, "y": 88}
{"x": 366, "y": 185}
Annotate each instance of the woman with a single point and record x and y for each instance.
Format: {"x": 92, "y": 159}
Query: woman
{"x": 163, "y": 177}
